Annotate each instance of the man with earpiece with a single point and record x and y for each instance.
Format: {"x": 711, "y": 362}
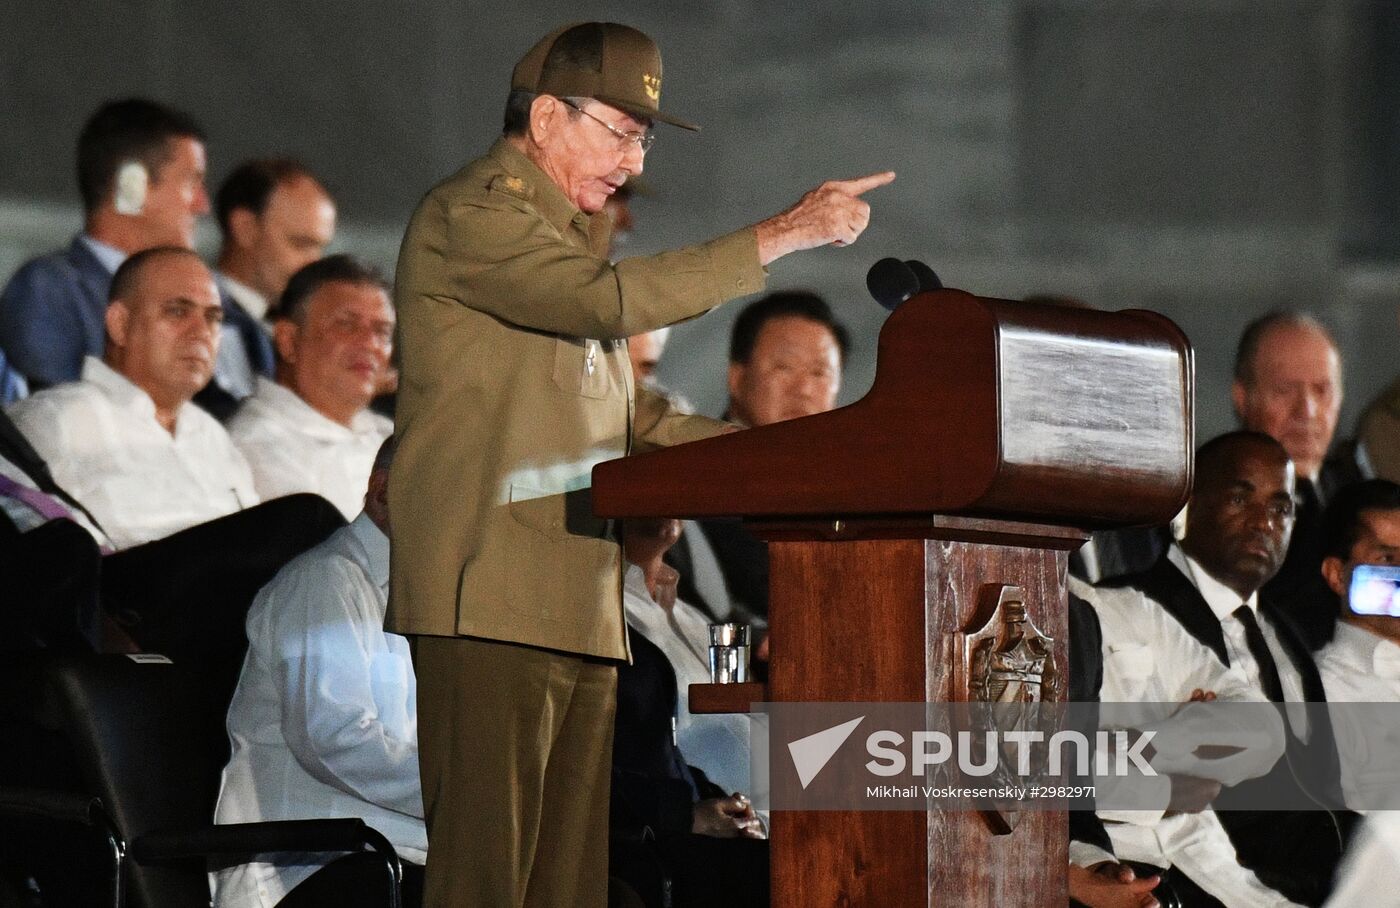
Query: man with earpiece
{"x": 141, "y": 177}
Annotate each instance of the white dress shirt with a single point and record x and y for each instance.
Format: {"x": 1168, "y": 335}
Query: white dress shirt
{"x": 324, "y": 721}
{"x": 105, "y": 447}
{"x": 1369, "y": 876}
{"x": 1152, "y": 661}
{"x": 1223, "y": 601}
{"x": 292, "y": 447}
{"x": 718, "y": 744}
{"x": 1359, "y": 666}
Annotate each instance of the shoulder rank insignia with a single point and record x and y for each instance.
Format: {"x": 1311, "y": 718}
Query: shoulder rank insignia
{"x": 512, "y": 186}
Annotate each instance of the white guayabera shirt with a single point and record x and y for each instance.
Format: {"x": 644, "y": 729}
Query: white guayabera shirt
{"x": 1149, "y": 658}
{"x": 292, "y": 448}
{"x": 324, "y": 722}
{"x": 106, "y": 449}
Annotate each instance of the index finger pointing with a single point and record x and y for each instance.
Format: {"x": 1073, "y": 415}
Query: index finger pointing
{"x": 865, "y": 184}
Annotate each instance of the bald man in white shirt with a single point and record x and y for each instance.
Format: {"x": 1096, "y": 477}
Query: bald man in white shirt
{"x": 160, "y": 476}
{"x": 125, "y": 440}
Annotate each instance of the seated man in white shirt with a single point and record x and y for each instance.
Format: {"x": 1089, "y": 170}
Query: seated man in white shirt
{"x": 124, "y": 440}
{"x": 159, "y": 475}
{"x": 1151, "y": 665}
{"x": 1238, "y": 525}
{"x": 1361, "y": 665}
{"x": 312, "y": 429}
{"x": 324, "y": 722}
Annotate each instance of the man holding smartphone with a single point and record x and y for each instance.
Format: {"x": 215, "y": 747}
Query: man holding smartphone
{"x": 1362, "y": 663}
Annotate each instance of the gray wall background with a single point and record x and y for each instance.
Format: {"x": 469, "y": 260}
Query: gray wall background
{"x": 1210, "y": 159}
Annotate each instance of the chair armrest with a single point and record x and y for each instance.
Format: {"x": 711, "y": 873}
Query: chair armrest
{"x": 244, "y": 839}
{"x": 64, "y": 806}
{"x": 258, "y": 838}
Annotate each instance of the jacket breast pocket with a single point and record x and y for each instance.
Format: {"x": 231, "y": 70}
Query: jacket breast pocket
{"x": 538, "y": 510}
{"x": 580, "y": 367}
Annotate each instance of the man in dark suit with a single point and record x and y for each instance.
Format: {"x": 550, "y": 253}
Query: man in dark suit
{"x": 275, "y": 218}
{"x": 786, "y": 354}
{"x": 141, "y": 175}
{"x": 1238, "y": 525}
{"x": 1288, "y": 385}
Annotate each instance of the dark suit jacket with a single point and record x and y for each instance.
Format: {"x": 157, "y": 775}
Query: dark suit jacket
{"x": 52, "y": 315}
{"x": 1085, "y": 681}
{"x": 652, "y": 786}
{"x": 1295, "y": 852}
{"x": 743, "y": 559}
{"x": 1298, "y": 589}
{"x": 215, "y": 399}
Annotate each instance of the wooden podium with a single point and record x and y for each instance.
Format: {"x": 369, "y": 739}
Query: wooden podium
{"x": 995, "y": 435}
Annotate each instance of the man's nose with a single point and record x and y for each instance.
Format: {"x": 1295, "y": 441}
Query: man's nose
{"x": 1266, "y": 517}
{"x": 200, "y": 203}
{"x": 368, "y": 337}
{"x": 633, "y": 159}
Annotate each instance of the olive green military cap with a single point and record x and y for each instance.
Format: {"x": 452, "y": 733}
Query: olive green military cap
{"x": 615, "y": 64}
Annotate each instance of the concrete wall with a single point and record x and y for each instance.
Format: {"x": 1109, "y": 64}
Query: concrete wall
{"x": 1210, "y": 159}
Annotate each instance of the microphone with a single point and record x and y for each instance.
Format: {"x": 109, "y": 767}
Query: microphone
{"x": 891, "y": 282}
{"x": 927, "y": 277}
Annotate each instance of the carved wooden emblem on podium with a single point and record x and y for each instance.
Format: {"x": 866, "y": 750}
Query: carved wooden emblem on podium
{"x": 1007, "y": 659}
{"x": 1008, "y": 663}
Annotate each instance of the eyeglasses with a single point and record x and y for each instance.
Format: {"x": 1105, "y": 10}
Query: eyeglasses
{"x": 643, "y": 140}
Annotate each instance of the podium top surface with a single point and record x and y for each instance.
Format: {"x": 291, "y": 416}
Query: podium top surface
{"x": 980, "y": 407}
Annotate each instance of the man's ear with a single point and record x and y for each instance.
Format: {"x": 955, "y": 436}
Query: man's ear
{"x": 284, "y": 337}
{"x": 243, "y": 228}
{"x": 736, "y": 378}
{"x": 118, "y": 320}
{"x": 544, "y": 111}
{"x": 1238, "y": 396}
{"x": 377, "y": 495}
{"x": 1334, "y": 572}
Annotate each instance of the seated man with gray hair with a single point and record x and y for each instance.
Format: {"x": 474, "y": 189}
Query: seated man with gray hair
{"x": 312, "y": 429}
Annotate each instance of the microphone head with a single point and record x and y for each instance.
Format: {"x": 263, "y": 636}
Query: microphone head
{"x": 926, "y": 276}
{"x": 891, "y": 282}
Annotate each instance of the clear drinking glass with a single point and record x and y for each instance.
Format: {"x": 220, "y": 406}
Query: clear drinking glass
{"x": 729, "y": 653}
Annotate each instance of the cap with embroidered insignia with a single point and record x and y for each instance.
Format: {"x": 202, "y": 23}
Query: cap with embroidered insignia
{"x": 613, "y": 63}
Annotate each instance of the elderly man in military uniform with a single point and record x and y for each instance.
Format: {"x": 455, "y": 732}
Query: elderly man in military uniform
{"x": 515, "y": 383}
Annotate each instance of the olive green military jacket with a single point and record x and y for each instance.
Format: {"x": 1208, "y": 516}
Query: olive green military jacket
{"x": 515, "y": 382}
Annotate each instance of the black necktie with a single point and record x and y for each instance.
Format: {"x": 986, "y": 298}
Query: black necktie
{"x": 1268, "y": 670}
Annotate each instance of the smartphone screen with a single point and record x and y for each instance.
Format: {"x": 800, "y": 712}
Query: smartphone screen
{"x": 1375, "y": 590}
